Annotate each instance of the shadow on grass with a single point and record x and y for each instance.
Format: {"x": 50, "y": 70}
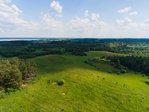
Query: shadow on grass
{"x": 147, "y": 82}
{"x": 57, "y": 63}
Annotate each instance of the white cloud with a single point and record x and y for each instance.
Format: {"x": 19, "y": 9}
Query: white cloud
{"x": 56, "y": 7}
{"x": 125, "y": 10}
{"x": 89, "y": 24}
{"x": 86, "y": 13}
{"x": 124, "y": 21}
{"x": 133, "y": 13}
{"x": 128, "y": 11}
{"x": 95, "y": 17}
{"x": 10, "y": 15}
{"x": 11, "y": 21}
{"x": 146, "y": 21}
{"x": 52, "y": 25}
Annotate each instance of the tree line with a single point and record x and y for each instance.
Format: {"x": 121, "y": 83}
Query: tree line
{"x": 139, "y": 64}
{"x": 30, "y": 49}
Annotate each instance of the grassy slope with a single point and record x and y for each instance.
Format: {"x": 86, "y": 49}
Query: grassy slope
{"x": 85, "y": 89}
{"x": 103, "y": 53}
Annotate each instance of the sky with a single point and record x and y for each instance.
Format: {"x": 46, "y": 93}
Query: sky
{"x": 74, "y": 18}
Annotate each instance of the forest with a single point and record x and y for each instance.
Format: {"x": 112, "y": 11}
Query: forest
{"x": 138, "y": 64}
{"x": 28, "y": 49}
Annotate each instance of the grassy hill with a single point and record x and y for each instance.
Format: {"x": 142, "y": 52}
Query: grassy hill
{"x": 85, "y": 88}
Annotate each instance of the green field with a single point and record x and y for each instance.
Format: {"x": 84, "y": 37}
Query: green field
{"x": 85, "y": 89}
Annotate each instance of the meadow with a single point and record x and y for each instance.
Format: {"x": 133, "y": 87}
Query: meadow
{"x": 84, "y": 89}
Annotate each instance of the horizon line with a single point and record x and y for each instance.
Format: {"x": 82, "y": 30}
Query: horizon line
{"x": 74, "y": 38}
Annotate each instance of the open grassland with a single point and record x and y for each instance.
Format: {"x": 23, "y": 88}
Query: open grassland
{"x": 103, "y": 54}
{"x": 85, "y": 88}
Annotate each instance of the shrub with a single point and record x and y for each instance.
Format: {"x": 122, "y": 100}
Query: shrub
{"x": 9, "y": 90}
{"x": 62, "y": 110}
{"x": 10, "y": 76}
{"x": 60, "y": 82}
{"x": 147, "y": 82}
{"x": 123, "y": 71}
{"x": 49, "y": 81}
{"x": 2, "y": 94}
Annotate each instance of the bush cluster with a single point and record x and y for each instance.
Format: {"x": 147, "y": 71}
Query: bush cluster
{"x": 14, "y": 72}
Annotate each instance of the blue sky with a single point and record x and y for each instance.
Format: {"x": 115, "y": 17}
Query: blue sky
{"x": 74, "y": 18}
{"x": 107, "y": 8}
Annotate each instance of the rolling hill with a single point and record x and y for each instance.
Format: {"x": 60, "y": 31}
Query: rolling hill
{"x": 85, "y": 88}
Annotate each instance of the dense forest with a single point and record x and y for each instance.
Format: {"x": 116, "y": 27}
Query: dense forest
{"x": 79, "y": 47}
{"x": 27, "y": 49}
{"x": 138, "y": 64}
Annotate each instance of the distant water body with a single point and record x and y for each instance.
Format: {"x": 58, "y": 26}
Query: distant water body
{"x": 18, "y": 39}
{"x": 63, "y": 38}
{"x": 29, "y": 39}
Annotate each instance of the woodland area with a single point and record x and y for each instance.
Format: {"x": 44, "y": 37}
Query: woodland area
{"x": 14, "y": 72}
